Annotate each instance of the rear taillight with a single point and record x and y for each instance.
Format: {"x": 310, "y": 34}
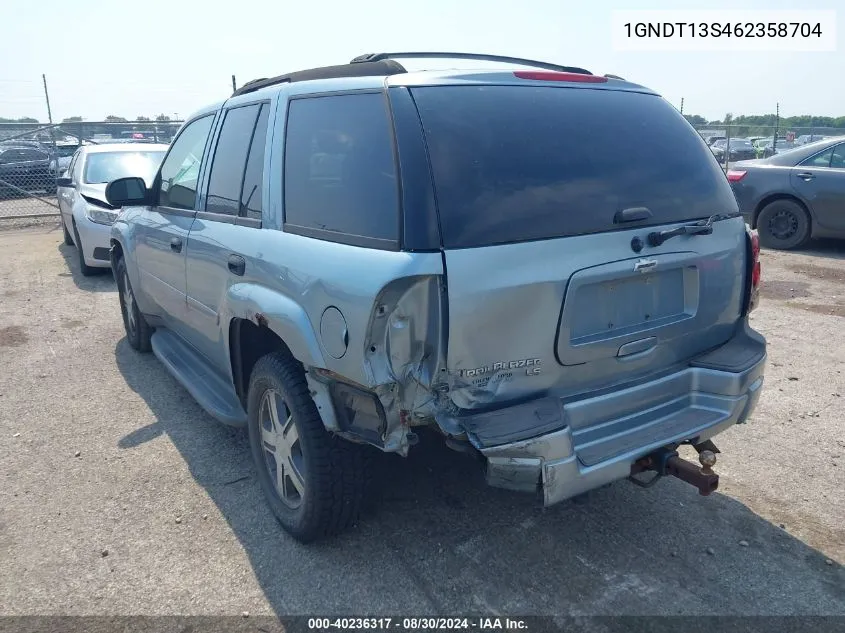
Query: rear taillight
{"x": 735, "y": 175}
{"x": 754, "y": 277}
{"x": 550, "y": 75}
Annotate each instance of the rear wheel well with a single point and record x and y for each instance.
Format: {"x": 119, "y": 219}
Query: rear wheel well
{"x": 780, "y": 196}
{"x": 247, "y": 343}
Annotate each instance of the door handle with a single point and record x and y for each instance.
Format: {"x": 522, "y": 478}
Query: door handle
{"x": 806, "y": 176}
{"x": 237, "y": 265}
{"x": 176, "y": 244}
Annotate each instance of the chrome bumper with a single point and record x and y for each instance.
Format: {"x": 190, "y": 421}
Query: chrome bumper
{"x": 602, "y": 438}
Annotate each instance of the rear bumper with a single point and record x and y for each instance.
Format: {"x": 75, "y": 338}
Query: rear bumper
{"x": 604, "y": 435}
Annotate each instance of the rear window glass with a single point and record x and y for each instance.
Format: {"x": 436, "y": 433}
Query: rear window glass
{"x": 518, "y": 163}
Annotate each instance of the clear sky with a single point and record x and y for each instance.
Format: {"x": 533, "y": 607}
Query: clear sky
{"x": 148, "y": 57}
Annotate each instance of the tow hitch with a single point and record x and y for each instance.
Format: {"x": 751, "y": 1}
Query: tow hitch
{"x": 666, "y": 461}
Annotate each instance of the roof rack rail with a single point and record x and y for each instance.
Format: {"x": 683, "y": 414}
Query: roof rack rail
{"x": 376, "y": 57}
{"x": 367, "y": 69}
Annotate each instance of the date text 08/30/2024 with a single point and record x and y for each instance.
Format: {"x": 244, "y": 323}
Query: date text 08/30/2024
{"x": 417, "y": 624}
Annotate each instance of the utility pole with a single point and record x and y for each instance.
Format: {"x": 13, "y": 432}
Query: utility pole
{"x": 777, "y": 125}
{"x": 50, "y": 119}
{"x": 682, "y": 105}
{"x": 234, "y": 85}
{"x": 47, "y": 97}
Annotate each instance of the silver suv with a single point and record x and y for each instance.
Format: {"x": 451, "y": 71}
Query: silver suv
{"x": 545, "y": 266}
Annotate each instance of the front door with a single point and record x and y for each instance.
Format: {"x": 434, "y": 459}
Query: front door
{"x": 67, "y": 195}
{"x": 820, "y": 180}
{"x": 163, "y": 230}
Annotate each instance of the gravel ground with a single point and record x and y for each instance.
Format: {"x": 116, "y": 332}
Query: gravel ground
{"x": 119, "y": 496}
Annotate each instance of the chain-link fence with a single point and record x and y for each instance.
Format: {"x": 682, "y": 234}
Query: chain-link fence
{"x": 731, "y": 143}
{"x": 33, "y": 156}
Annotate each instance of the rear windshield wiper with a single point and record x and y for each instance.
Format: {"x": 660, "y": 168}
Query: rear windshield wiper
{"x": 702, "y": 227}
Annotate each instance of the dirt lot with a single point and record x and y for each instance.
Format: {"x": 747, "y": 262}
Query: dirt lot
{"x": 118, "y": 495}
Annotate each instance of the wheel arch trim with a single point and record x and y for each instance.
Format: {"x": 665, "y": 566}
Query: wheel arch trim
{"x": 277, "y": 312}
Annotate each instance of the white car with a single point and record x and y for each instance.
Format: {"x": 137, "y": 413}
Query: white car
{"x": 86, "y": 216}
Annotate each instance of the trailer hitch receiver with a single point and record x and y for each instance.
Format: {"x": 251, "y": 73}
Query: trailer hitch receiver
{"x": 666, "y": 461}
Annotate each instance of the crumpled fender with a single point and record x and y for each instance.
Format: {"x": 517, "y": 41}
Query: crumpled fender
{"x": 280, "y": 314}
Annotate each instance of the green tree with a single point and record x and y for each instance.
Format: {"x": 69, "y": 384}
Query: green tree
{"x": 115, "y": 119}
{"x": 142, "y": 118}
{"x": 72, "y": 119}
{"x": 163, "y": 118}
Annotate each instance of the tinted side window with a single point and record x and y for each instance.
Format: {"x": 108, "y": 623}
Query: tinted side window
{"x": 837, "y": 161}
{"x": 340, "y": 175}
{"x": 254, "y": 175}
{"x": 180, "y": 170}
{"x": 76, "y": 174}
{"x": 227, "y": 170}
{"x": 69, "y": 171}
{"x": 819, "y": 160}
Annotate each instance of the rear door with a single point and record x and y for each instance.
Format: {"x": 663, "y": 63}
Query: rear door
{"x": 546, "y": 197}
{"x": 820, "y": 180}
{"x": 226, "y": 225}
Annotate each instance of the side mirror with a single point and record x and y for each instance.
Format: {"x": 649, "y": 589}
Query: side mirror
{"x": 64, "y": 182}
{"x": 127, "y": 192}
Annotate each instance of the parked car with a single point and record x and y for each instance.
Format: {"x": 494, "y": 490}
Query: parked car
{"x": 739, "y": 149}
{"x": 86, "y": 215}
{"x": 792, "y": 197}
{"x": 783, "y": 146}
{"x": 20, "y": 142}
{"x": 64, "y": 154}
{"x": 25, "y": 169}
{"x": 339, "y": 257}
{"x": 809, "y": 138}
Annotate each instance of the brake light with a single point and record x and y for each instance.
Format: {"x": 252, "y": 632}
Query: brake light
{"x": 755, "y": 277}
{"x": 735, "y": 175}
{"x": 550, "y": 75}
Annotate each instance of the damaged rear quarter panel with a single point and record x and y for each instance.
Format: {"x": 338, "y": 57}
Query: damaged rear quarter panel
{"x": 288, "y": 271}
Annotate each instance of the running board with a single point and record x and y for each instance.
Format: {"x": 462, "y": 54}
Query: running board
{"x": 191, "y": 370}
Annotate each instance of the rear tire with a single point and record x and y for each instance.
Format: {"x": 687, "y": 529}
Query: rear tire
{"x": 314, "y": 482}
{"x": 138, "y": 331}
{"x": 783, "y": 225}
{"x": 84, "y": 268}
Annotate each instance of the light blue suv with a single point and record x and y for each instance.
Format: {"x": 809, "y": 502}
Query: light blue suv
{"x": 545, "y": 266}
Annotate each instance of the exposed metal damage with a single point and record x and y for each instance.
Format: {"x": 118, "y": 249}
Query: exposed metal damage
{"x": 406, "y": 369}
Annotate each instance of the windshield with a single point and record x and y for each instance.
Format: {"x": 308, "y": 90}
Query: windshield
{"x": 102, "y": 167}
{"x": 741, "y": 144}
{"x": 513, "y": 163}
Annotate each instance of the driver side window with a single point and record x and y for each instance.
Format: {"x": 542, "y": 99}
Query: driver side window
{"x": 180, "y": 170}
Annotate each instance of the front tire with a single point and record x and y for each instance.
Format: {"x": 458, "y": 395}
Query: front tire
{"x": 313, "y": 481}
{"x": 138, "y": 331}
{"x": 783, "y": 225}
{"x": 84, "y": 268}
{"x": 68, "y": 238}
